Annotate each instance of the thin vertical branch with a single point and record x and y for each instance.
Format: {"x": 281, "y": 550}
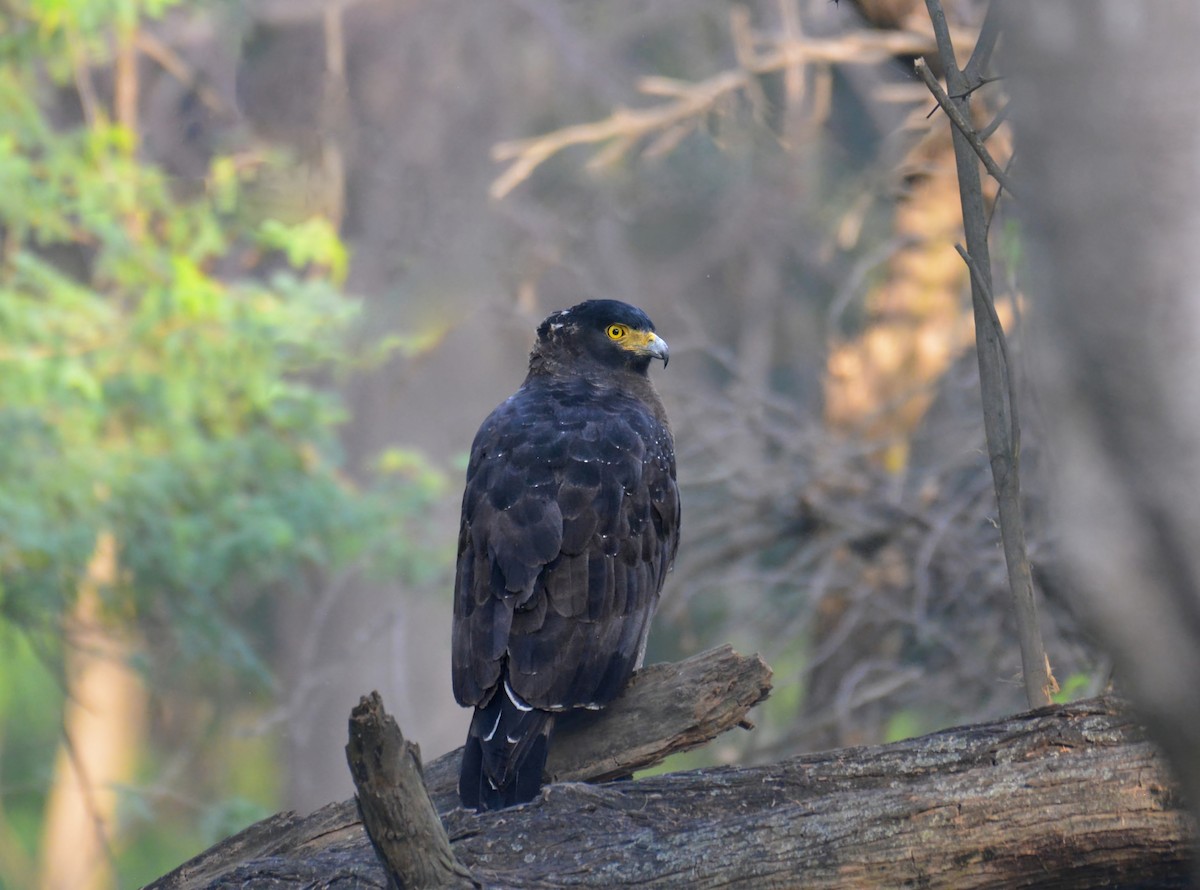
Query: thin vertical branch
{"x": 985, "y": 44}
{"x": 334, "y": 113}
{"x": 794, "y": 74}
{"x": 977, "y": 280}
{"x": 125, "y": 82}
{"x": 963, "y": 125}
{"x": 999, "y": 420}
{"x": 81, "y": 70}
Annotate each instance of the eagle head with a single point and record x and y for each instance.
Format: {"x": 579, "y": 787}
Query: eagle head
{"x": 609, "y": 332}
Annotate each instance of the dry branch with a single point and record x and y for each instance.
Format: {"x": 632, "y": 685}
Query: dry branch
{"x": 667, "y": 708}
{"x": 626, "y": 127}
{"x": 179, "y": 68}
{"x": 999, "y": 421}
{"x": 964, "y": 127}
{"x": 396, "y": 811}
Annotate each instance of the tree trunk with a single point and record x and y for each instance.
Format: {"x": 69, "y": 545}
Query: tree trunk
{"x": 1068, "y": 796}
{"x": 103, "y": 724}
{"x": 1108, "y": 130}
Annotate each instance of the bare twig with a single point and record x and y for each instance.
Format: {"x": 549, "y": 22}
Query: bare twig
{"x": 996, "y": 122}
{"x": 175, "y": 65}
{"x": 999, "y": 421}
{"x": 627, "y": 127}
{"x": 964, "y": 126}
{"x": 1015, "y": 425}
{"x": 985, "y": 44}
{"x": 794, "y": 77}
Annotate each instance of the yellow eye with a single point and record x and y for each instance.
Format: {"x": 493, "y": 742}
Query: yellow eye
{"x": 616, "y": 331}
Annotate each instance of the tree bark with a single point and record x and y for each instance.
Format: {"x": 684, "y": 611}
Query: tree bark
{"x": 103, "y": 729}
{"x": 665, "y": 709}
{"x": 393, "y": 804}
{"x": 1061, "y": 797}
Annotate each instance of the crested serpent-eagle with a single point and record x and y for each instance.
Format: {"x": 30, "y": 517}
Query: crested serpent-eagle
{"x": 570, "y": 521}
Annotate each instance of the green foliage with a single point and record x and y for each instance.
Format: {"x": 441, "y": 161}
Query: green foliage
{"x": 160, "y": 386}
{"x": 312, "y": 241}
{"x": 1074, "y": 687}
{"x": 30, "y": 699}
{"x": 1010, "y": 249}
{"x": 905, "y": 724}
{"x": 143, "y": 394}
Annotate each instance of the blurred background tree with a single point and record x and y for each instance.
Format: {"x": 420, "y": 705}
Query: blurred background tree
{"x": 261, "y": 278}
{"x": 170, "y": 471}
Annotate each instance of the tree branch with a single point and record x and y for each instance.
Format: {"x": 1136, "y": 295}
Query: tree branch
{"x": 985, "y": 44}
{"x": 1014, "y": 439}
{"x": 964, "y": 127}
{"x": 998, "y": 420}
{"x": 396, "y": 812}
{"x": 626, "y": 127}
{"x": 174, "y": 64}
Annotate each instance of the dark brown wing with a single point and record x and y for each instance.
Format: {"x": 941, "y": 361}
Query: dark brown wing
{"x": 570, "y": 522}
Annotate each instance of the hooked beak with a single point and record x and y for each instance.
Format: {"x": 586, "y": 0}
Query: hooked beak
{"x": 656, "y": 347}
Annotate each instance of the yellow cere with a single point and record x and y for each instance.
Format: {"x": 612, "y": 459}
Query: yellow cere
{"x": 629, "y": 338}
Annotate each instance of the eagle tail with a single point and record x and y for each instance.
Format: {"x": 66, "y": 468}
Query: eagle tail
{"x": 505, "y": 753}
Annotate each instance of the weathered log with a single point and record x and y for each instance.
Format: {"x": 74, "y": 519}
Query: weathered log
{"x": 1063, "y": 797}
{"x": 665, "y": 709}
